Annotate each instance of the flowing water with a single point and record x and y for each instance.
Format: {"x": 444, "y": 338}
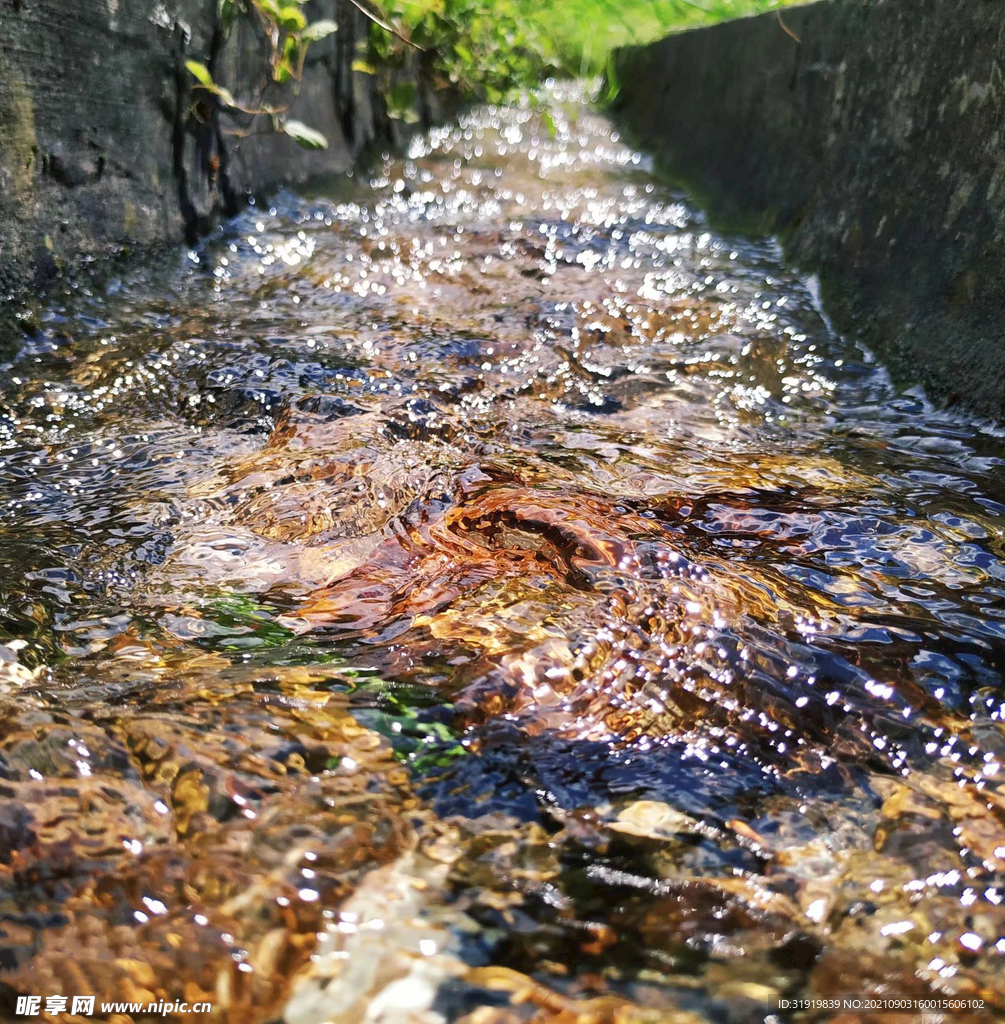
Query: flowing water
{"x": 482, "y": 592}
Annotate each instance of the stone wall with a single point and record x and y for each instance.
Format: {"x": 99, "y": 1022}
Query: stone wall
{"x": 98, "y": 155}
{"x": 870, "y": 136}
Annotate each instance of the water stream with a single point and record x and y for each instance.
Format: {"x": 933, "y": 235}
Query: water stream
{"x": 480, "y": 591}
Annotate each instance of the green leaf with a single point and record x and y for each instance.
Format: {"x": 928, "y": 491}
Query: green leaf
{"x": 269, "y": 8}
{"x": 363, "y": 67}
{"x": 292, "y": 19}
{"x": 611, "y": 84}
{"x": 228, "y": 11}
{"x": 201, "y": 73}
{"x": 317, "y": 30}
{"x": 225, "y": 96}
{"x": 400, "y": 102}
{"x": 205, "y": 80}
{"x": 284, "y": 70}
{"x": 304, "y": 136}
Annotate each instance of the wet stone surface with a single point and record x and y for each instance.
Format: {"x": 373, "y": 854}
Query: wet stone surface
{"x": 479, "y": 592}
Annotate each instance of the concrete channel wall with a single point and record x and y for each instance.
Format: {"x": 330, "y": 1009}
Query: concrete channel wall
{"x": 99, "y": 154}
{"x": 870, "y": 136}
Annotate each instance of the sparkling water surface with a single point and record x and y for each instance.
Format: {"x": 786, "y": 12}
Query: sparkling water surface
{"x": 480, "y": 591}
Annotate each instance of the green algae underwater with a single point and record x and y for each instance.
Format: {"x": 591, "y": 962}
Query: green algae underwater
{"x": 479, "y": 591}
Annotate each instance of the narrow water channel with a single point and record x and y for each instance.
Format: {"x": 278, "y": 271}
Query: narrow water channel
{"x": 480, "y": 591}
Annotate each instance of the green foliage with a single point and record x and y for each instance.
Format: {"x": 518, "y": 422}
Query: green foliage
{"x": 482, "y": 49}
{"x": 487, "y": 48}
{"x": 580, "y": 34}
{"x": 479, "y": 47}
{"x": 411, "y": 718}
{"x": 304, "y": 136}
{"x": 401, "y": 102}
{"x": 318, "y": 30}
{"x": 205, "y": 80}
{"x": 287, "y": 35}
{"x": 201, "y": 73}
{"x": 239, "y": 622}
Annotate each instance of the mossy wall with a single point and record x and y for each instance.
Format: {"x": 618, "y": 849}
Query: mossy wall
{"x": 870, "y": 136}
{"x": 97, "y": 154}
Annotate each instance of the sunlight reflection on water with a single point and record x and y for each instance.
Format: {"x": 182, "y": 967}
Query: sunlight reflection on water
{"x": 482, "y": 577}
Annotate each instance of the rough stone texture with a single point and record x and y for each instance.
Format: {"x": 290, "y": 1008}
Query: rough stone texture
{"x": 98, "y": 153}
{"x": 874, "y": 147}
